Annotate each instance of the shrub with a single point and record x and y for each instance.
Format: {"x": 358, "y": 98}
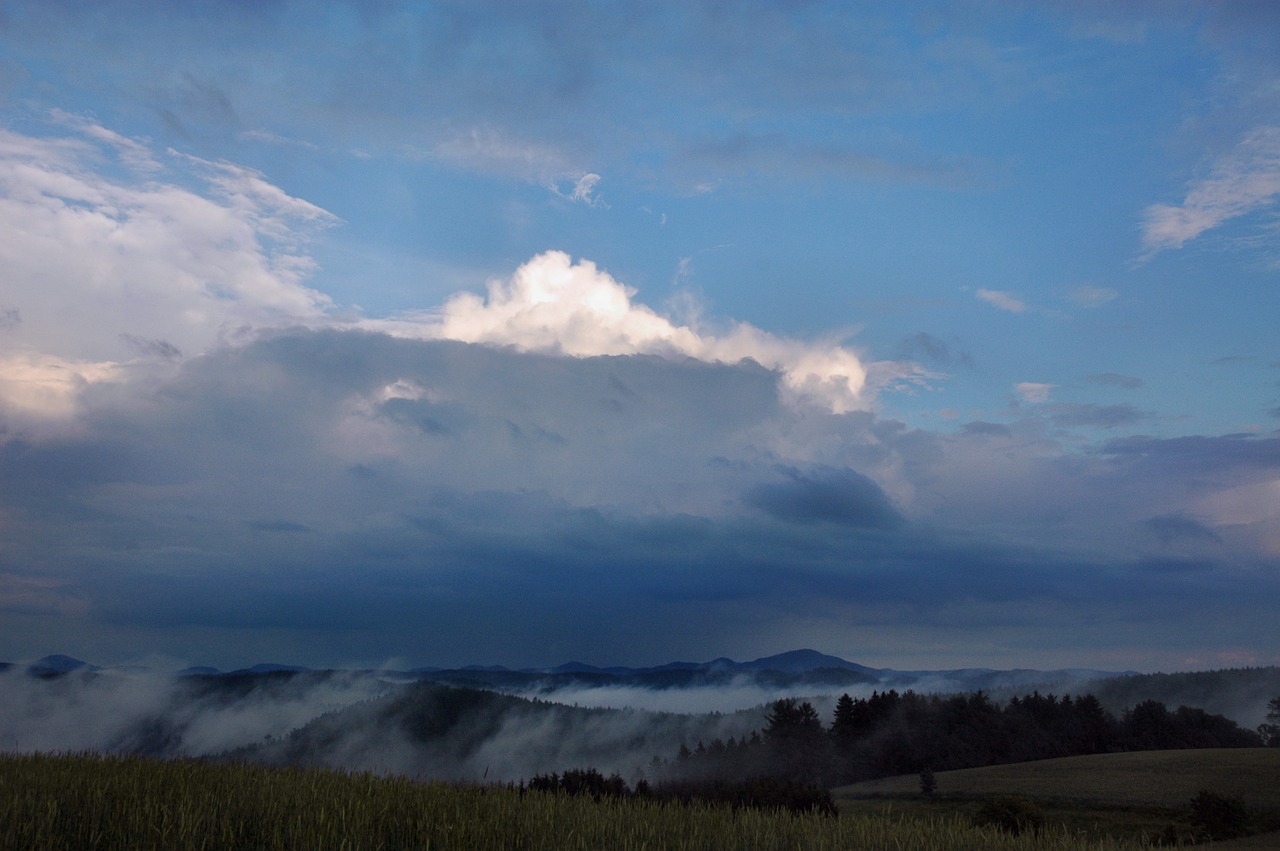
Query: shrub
{"x": 1217, "y": 816}
{"x": 1011, "y": 814}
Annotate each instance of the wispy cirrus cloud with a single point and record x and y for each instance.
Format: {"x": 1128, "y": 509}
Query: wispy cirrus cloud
{"x": 1245, "y": 180}
{"x": 176, "y": 255}
{"x": 1003, "y": 300}
{"x": 1090, "y": 296}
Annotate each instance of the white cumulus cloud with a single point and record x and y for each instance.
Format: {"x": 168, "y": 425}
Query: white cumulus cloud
{"x": 113, "y": 258}
{"x": 552, "y": 304}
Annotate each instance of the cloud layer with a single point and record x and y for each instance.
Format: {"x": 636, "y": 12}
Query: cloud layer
{"x": 201, "y": 452}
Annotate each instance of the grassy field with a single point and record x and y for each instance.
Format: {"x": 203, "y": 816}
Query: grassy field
{"x": 1126, "y": 795}
{"x": 84, "y": 802}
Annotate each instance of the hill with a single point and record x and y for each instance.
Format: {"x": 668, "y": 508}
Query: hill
{"x": 1238, "y": 693}
{"x": 1148, "y": 778}
{"x": 1132, "y": 796}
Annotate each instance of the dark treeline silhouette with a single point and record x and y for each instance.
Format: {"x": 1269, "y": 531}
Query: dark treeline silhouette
{"x": 892, "y": 733}
{"x": 753, "y": 792}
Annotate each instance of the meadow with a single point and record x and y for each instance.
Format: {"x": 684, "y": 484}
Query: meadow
{"x": 1122, "y": 795}
{"x": 108, "y": 802}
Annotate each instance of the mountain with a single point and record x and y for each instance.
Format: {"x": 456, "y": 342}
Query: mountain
{"x": 271, "y": 668}
{"x": 56, "y": 665}
{"x": 794, "y": 669}
{"x": 802, "y": 661}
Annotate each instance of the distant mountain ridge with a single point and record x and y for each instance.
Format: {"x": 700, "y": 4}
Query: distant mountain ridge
{"x": 794, "y": 665}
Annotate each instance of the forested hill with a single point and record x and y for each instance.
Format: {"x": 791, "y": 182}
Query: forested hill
{"x": 1238, "y": 693}
{"x": 442, "y": 732}
{"x": 894, "y": 733}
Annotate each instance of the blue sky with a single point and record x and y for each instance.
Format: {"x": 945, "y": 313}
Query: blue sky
{"x": 925, "y": 334}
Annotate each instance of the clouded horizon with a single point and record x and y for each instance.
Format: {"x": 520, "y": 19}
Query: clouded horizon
{"x": 927, "y": 336}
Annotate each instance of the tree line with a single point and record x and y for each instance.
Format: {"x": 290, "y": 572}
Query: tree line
{"x": 892, "y": 733}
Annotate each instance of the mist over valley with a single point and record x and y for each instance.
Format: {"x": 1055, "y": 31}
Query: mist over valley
{"x": 490, "y": 723}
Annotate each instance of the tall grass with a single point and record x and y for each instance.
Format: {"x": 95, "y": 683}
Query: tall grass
{"x": 87, "y": 801}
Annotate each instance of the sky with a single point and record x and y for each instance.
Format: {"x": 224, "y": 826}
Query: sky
{"x": 928, "y": 335}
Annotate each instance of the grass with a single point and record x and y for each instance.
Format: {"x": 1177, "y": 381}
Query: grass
{"x": 86, "y": 802}
{"x": 1123, "y": 795}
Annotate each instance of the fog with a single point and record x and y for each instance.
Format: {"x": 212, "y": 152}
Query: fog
{"x": 354, "y": 721}
{"x": 157, "y": 713}
{"x": 371, "y": 722}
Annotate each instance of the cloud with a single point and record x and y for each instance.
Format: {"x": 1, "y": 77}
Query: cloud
{"x": 496, "y": 151}
{"x": 583, "y": 191}
{"x": 980, "y": 428}
{"x": 1173, "y": 528}
{"x": 1033, "y": 392}
{"x": 552, "y": 304}
{"x": 1099, "y": 416}
{"x": 356, "y": 493}
{"x": 539, "y": 94}
{"x": 764, "y": 156}
{"x": 1113, "y": 379}
{"x": 930, "y": 347}
{"x": 1091, "y": 296}
{"x": 103, "y": 271}
{"x": 1003, "y": 300}
{"x": 1244, "y": 180}
{"x": 830, "y": 496}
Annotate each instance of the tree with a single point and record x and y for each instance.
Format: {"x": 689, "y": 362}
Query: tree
{"x": 1270, "y": 731}
{"x": 844, "y": 724}
{"x": 798, "y": 749}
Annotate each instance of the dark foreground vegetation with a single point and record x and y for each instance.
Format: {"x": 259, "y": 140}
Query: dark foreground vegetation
{"x": 93, "y": 802}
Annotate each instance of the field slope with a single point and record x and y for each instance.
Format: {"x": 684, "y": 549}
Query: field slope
{"x": 1127, "y": 795}
{"x": 1148, "y": 778}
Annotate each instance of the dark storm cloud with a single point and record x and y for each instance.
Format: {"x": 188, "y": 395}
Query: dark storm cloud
{"x": 369, "y": 495}
{"x": 828, "y": 496}
{"x": 1099, "y": 416}
{"x": 1176, "y": 527}
{"x": 278, "y": 526}
{"x": 979, "y": 427}
{"x": 1197, "y": 453}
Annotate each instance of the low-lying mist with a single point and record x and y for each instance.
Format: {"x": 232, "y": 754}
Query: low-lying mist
{"x": 346, "y": 720}
{"x": 171, "y": 716}
{"x": 459, "y": 729}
